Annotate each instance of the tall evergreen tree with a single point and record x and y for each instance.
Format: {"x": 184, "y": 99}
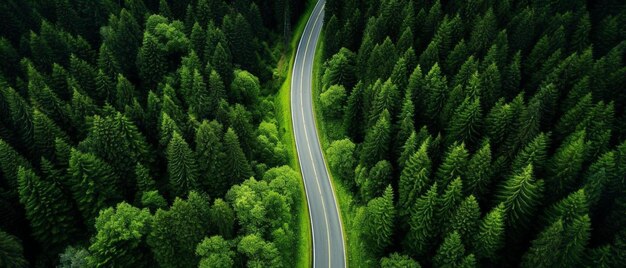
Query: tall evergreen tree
{"x": 235, "y": 165}
{"x": 414, "y": 179}
{"x": 423, "y": 222}
{"x": 209, "y": 153}
{"x": 182, "y": 168}
{"x": 11, "y": 251}
{"x": 520, "y": 195}
{"x": 376, "y": 143}
{"x": 490, "y": 236}
{"x": 454, "y": 164}
{"x": 379, "y": 221}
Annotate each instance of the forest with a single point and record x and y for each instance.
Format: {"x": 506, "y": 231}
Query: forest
{"x": 144, "y": 134}
{"x": 478, "y": 133}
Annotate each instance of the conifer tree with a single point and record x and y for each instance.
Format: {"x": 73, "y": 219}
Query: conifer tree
{"x": 466, "y": 219}
{"x": 379, "y": 221}
{"x": 414, "y": 179}
{"x": 209, "y": 153}
{"x": 451, "y": 253}
{"x": 235, "y": 165}
{"x": 354, "y": 115}
{"x": 520, "y": 195}
{"x": 465, "y": 125}
{"x": 406, "y": 124}
{"x": 396, "y": 260}
{"x": 47, "y": 211}
{"x": 566, "y": 164}
{"x": 490, "y": 236}
{"x": 454, "y": 164}
{"x": 223, "y": 218}
{"x": 534, "y": 153}
{"x": 479, "y": 172}
{"x": 436, "y": 95}
{"x": 45, "y": 133}
{"x": 145, "y": 182}
{"x": 10, "y": 162}
{"x": 376, "y": 143}
{"x": 176, "y": 232}
{"x": 378, "y": 176}
{"x": 21, "y": 116}
{"x": 423, "y": 222}
{"x": 450, "y": 200}
{"x": 93, "y": 184}
{"x": 182, "y": 167}
{"x": 11, "y": 251}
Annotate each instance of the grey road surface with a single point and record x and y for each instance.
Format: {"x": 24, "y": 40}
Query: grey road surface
{"x": 327, "y": 233}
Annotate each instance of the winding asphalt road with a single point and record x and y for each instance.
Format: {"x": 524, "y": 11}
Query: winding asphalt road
{"x": 327, "y": 234}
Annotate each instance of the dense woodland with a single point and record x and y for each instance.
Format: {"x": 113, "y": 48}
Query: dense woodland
{"x": 480, "y": 132}
{"x": 144, "y": 134}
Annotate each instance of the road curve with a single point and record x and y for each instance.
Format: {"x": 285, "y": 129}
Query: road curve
{"x": 327, "y": 232}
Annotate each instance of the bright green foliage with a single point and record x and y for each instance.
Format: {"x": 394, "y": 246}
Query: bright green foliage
{"x": 11, "y": 251}
{"x": 167, "y": 129}
{"x": 396, "y": 260}
{"x": 414, "y": 179}
{"x": 386, "y": 98}
{"x": 498, "y": 122}
{"x": 235, "y": 164}
{"x": 454, "y": 164}
{"x": 123, "y": 228}
{"x": 269, "y": 146}
{"x": 153, "y": 200}
{"x": 568, "y": 209}
{"x": 176, "y": 232}
{"x": 436, "y": 94}
{"x": 479, "y": 172}
{"x": 379, "y": 220}
{"x": 259, "y": 252}
{"x": 423, "y": 222}
{"x": 47, "y": 210}
{"x": 406, "y": 123}
{"x": 245, "y": 88}
{"x": 223, "y": 218}
{"x": 466, "y": 219}
{"x": 490, "y": 236}
{"x": 182, "y": 167}
{"x": 451, "y": 253}
{"x": 376, "y": 144}
{"x": 341, "y": 158}
{"x": 332, "y": 101}
{"x": 215, "y": 253}
{"x": 93, "y": 183}
{"x": 520, "y": 195}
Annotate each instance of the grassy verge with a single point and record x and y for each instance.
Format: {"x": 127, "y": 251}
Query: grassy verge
{"x": 283, "y": 109}
{"x": 328, "y": 130}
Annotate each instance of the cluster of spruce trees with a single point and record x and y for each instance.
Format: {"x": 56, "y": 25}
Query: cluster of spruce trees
{"x": 130, "y": 130}
{"x": 480, "y": 133}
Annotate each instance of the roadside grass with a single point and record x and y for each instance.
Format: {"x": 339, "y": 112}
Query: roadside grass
{"x": 282, "y": 100}
{"x": 329, "y": 130}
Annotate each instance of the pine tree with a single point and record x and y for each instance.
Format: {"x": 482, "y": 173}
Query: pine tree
{"x": 450, "y": 200}
{"x": 451, "y": 252}
{"x": 145, "y": 182}
{"x": 436, "y": 95}
{"x": 354, "y": 115}
{"x": 176, "y": 232}
{"x": 123, "y": 228}
{"x": 568, "y": 209}
{"x": 386, "y": 98}
{"x": 454, "y": 164}
{"x": 520, "y": 195}
{"x": 93, "y": 184}
{"x": 216, "y": 93}
{"x": 566, "y": 164}
{"x": 379, "y": 221}
{"x": 182, "y": 168}
{"x": 378, "y": 176}
{"x": 479, "y": 172}
{"x": 10, "y": 162}
{"x": 123, "y": 37}
{"x": 414, "y": 179}
{"x": 21, "y": 116}
{"x": 235, "y": 165}
{"x": 490, "y": 236}
{"x": 484, "y": 31}
{"x": 47, "y": 211}
{"x": 534, "y": 153}
{"x": 209, "y": 153}
{"x": 198, "y": 39}
{"x": 465, "y": 125}
{"x": 406, "y": 124}
{"x": 124, "y": 93}
{"x": 45, "y": 133}
{"x": 151, "y": 60}
{"x": 11, "y": 251}
{"x": 376, "y": 143}
{"x": 423, "y": 222}
{"x": 466, "y": 219}
{"x": 396, "y": 260}
{"x": 498, "y": 122}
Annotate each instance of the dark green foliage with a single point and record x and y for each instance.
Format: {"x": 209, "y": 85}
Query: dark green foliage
{"x": 423, "y": 222}
{"x": 48, "y": 211}
{"x": 376, "y": 144}
{"x": 414, "y": 179}
{"x": 451, "y": 252}
{"x": 378, "y": 221}
{"x": 176, "y": 232}
{"x": 11, "y": 251}
{"x": 94, "y": 185}
{"x": 235, "y": 166}
{"x": 520, "y": 194}
{"x": 454, "y": 165}
{"x": 209, "y": 153}
{"x": 490, "y": 236}
{"x": 182, "y": 168}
